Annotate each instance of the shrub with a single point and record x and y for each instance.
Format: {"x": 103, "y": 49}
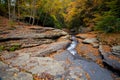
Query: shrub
{"x": 56, "y": 22}
{"x": 46, "y": 20}
{"x": 108, "y": 24}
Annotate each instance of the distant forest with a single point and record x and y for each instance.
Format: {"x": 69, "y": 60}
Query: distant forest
{"x": 101, "y": 15}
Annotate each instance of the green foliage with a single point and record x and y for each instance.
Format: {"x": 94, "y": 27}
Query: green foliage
{"x": 3, "y": 9}
{"x": 75, "y": 22}
{"x": 105, "y": 14}
{"x": 108, "y": 24}
{"x": 1, "y": 48}
{"x": 79, "y": 13}
{"x": 46, "y": 20}
{"x": 14, "y": 47}
{"x": 10, "y": 48}
{"x": 56, "y": 22}
{"x": 114, "y": 6}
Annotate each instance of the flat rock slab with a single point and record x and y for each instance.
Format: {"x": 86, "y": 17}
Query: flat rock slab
{"x": 35, "y": 65}
{"x": 81, "y": 69}
{"x": 94, "y": 71}
{"x": 10, "y": 73}
{"x": 30, "y": 36}
{"x": 63, "y": 56}
{"x": 90, "y": 40}
{"x": 24, "y": 43}
{"x": 88, "y": 51}
{"x": 76, "y": 73}
{"x": 24, "y": 32}
{"x": 47, "y": 65}
{"x": 95, "y": 45}
{"x": 86, "y": 35}
{"x": 29, "y": 59}
{"x": 45, "y": 49}
{"x": 115, "y": 48}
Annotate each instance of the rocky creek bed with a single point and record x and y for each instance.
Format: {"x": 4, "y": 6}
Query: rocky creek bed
{"x": 36, "y": 53}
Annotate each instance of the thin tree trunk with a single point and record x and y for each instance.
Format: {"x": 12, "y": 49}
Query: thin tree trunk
{"x": 34, "y": 11}
{"x": 14, "y": 18}
{"x": 44, "y": 19}
{"x": 39, "y": 14}
{"x": 9, "y": 9}
{"x": 30, "y": 12}
{"x": 39, "y": 17}
{"x": 30, "y": 16}
{"x": 18, "y": 10}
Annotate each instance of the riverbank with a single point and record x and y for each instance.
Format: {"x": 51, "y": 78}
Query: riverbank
{"x": 35, "y": 53}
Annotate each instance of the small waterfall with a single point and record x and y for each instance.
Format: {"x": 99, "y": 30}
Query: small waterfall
{"x": 72, "y": 46}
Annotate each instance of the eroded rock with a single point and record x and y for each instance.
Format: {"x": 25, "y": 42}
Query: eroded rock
{"x": 31, "y": 36}
{"x": 45, "y": 49}
{"x": 110, "y": 59}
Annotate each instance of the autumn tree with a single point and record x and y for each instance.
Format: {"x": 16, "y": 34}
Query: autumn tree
{"x": 78, "y": 12}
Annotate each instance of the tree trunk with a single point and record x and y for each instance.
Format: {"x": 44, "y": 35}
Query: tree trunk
{"x": 30, "y": 16}
{"x": 18, "y": 11}
{"x": 9, "y": 9}
{"x": 34, "y": 11}
{"x": 39, "y": 16}
{"x": 31, "y": 12}
{"x": 44, "y": 19}
{"x": 14, "y": 18}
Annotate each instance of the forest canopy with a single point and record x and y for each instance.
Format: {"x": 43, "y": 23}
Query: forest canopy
{"x": 102, "y": 15}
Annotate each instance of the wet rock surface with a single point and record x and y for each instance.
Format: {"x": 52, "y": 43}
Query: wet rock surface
{"x": 77, "y": 68}
{"x": 46, "y": 53}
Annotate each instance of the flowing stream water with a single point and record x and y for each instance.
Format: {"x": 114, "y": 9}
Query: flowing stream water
{"x": 84, "y": 61}
{"x": 73, "y": 45}
{"x": 72, "y": 49}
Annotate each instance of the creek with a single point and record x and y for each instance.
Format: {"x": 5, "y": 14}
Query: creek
{"x": 88, "y": 65}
